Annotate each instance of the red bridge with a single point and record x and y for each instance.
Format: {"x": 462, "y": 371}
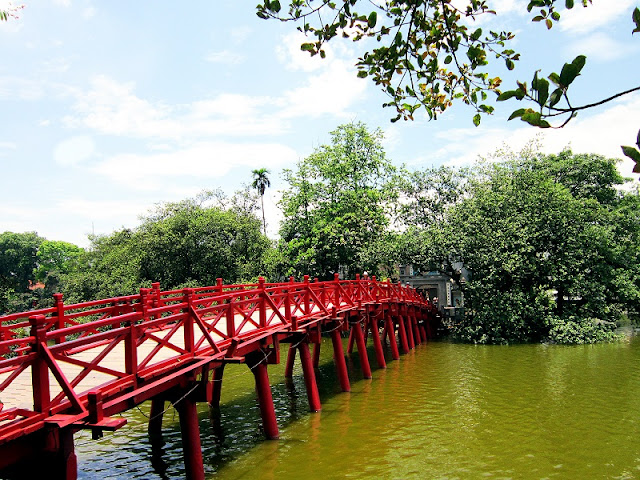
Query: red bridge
{"x": 73, "y": 367}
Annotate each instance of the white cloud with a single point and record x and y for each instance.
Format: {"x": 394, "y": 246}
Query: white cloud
{"x": 225, "y": 57}
{"x": 62, "y": 3}
{"x": 113, "y": 108}
{"x": 601, "y": 47}
{"x": 596, "y": 15}
{"x": 597, "y": 131}
{"x": 73, "y": 151}
{"x": 331, "y": 92}
{"x": 154, "y": 170}
{"x": 289, "y": 54}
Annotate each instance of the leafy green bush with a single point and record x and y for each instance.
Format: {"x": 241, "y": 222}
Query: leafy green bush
{"x": 578, "y": 331}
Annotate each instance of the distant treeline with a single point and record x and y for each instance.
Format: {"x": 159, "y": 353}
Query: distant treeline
{"x": 551, "y": 241}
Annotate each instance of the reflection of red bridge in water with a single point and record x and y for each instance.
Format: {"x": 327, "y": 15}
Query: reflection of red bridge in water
{"x": 72, "y": 367}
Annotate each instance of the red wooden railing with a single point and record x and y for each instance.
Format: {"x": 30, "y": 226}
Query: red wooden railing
{"x": 85, "y": 362}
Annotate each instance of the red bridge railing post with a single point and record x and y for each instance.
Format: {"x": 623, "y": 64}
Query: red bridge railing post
{"x": 263, "y": 303}
{"x": 39, "y": 368}
{"x": 189, "y": 320}
{"x": 60, "y": 323}
{"x": 307, "y": 296}
{"x": 336, "y": 299}
{"x": 231, "y": 320}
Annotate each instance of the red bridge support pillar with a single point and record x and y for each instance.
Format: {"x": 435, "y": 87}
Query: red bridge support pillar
{"x": 416, "y": 331}
{"x": 338, "y": 358}
{"x": 404, "y": 344}
{"x": 155, "y": 421}
{"x": 291, "y": 358}
{"x": 409, "y": 329}
{"x": 316, "y": 354}
{"x": 389, "y": 328}
{"x": 356, "y": 329}
{"x": 265, "y": 399}
{"x": 377, "y": 344}
{"x": 191, "y": 447}
{"x": 216, "y": 386}
{"x": 309, "y": 377}
{"x": 64, "y": 464}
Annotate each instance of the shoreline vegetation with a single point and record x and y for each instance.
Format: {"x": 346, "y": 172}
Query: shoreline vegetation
{"x": 551, "y": 243}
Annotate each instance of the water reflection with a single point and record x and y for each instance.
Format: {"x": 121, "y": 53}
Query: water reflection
{"x": 442, "y": 411}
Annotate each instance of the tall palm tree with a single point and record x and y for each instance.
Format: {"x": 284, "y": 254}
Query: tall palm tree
{"x": 260, "y": 183}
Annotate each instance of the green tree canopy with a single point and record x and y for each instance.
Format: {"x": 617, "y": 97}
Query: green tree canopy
{"x": 178, "y": 244}
{"x": 336, "y": 203}
{"x": 545, "y": 257}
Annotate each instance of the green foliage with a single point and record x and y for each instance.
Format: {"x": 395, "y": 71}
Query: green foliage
{"x": 185, "y": 242}
{"x": 56, "y": 257}
{"x": 18, "y": 259}
{"x": 548, "y": 241}
{"x": 430, "y": 54}
{"x": 578, "y": 331}
{"x": 336, "y": 202}
{"x": 177, "y": 244}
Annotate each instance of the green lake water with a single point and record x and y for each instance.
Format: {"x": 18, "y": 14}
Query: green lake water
{"x": 443, "y": 411}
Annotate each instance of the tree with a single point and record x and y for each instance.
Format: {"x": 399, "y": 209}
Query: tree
{"x": 337, "y": 203}
{"x": 18, "y": 260}
{"x": 260, "y": 183}
{"x": 187, "y": 243}
{"x": 54, "y": 258}
{"x": 179, "y": 244}
{"x": 544, "y": 257}
{"x": 430, "y": 55}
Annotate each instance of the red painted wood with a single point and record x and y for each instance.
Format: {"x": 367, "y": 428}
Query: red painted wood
{"x": 192, "y": 449}
{"x": 291, "y": 358}
{"x": 362, "y": 349}
{"x": 217, "y": 324}
{"x": 265, "y": 400}
{"x": 389, "y": 328}
{"x": 338, "y": 358}
{"x": 309, "y": 377}
{"x": 404, "y": 343}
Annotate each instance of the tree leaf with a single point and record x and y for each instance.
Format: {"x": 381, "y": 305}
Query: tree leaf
{"x": 555, "y": 97}
{"x": 632, "y": 153}
{"x": 517, "y": 113}
{"x": 568, "y": 74}
{"x": 476, "y": 119}
{"x": 373, "y": 18}
{"x": 507, "y": 95}
{"x": 579, "y": 62}
{"x": 543, "y": 91}
{"x": 568, "y": 4}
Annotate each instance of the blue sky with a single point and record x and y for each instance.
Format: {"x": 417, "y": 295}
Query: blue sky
{"x": 111, "y": 107}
